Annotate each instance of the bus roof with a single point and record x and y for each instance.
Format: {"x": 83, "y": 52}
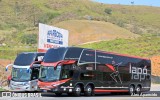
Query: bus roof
{"x": 74, "y": 53}
{"x": 27, "y": 58}
{"x": 118, "y": 54}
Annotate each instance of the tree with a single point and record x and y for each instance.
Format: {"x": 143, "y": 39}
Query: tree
{"x": 29, "y": 38}
{"x": 108, "y": 11}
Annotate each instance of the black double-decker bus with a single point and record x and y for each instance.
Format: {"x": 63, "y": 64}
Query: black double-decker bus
{"x": 75, "y": 70}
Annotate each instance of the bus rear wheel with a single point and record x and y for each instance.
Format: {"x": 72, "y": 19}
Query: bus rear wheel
{"x": 88, "y": 91}
{"x": 138, "y": 90}
{"x": 77, "y": 90}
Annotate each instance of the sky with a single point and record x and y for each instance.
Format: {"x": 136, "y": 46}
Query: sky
{"x": 136, "y": 2}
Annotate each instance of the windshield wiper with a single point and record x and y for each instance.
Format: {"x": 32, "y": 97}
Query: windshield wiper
{"x": 14, "y": 78}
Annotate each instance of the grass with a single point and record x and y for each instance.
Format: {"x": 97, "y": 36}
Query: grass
{"x": 11, "y": 52}
{"x": 85, "y": 20}
{"x": 1, "y": 89}
{"x": 25, "y": 11}
{"x": 145, "y": 46}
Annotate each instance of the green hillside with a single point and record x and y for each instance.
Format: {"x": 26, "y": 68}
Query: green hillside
{"x": 86, "y": 20}
{"x": 145, "y": 46}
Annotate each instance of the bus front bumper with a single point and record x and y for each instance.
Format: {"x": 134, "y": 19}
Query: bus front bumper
{"x": 20, "y": 88}
{"x": 58, "y": 89}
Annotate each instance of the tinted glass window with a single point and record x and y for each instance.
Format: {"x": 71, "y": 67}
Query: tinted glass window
{"x": 24, "y": 59}
{"x": 35, "y": 73}
{"x": 54, "y": 55}
{"x": 104, "y": 58}
{"x": 39, "y": 56}
{"x": 73, "y": 53}
{"x": 65, "y": 74}
{"x": 87, "y": 56}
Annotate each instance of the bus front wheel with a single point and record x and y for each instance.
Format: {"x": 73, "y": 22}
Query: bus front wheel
{"x": 77, "y": 90}
{"x": 88, "y": 91}
{"x": 131, "y": 90}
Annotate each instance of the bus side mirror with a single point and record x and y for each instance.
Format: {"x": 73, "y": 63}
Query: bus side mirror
{"x": 8, "y": 66}
{"x": 6, "y": 69}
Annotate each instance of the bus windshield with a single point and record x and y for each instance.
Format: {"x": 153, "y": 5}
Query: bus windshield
{"x": 20, "y": 74}
{"x": 54, "y": 55}
{"x": 49, "y": 74}
{"x": 24, "y": 59}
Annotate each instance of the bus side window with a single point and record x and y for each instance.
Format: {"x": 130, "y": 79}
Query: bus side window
{"x": 65, "y": 74}
{"x": 36, "y": 59}
{"x": 70, "y": 73}
{"x": 35, "y": 73}
{"x": 39, "y": 58}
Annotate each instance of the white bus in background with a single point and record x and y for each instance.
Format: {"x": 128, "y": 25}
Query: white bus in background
{"x": 25, "y": 71}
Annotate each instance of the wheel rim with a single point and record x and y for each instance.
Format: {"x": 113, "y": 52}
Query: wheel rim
{"x": 131, "y": 89}
{"x": 89, "y": 90}
{"x": 78, "y": 90}
{"x": 138, "y": 90}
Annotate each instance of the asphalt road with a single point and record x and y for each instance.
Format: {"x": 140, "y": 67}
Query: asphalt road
{"x": 155, "y": 90}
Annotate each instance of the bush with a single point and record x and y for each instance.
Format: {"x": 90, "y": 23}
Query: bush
{"x": 112, "y": 19}
{"x": 108, "y": 11}
{"x": 135, "y": 29}
{"x": 29, "y": 38}
{"x": 18, "y": 26}
{"x": 120, "y": 23}
{"x": 47, "y": 17}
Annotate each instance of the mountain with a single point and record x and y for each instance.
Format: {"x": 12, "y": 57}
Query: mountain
{"x": 87, "y": 21}
{"x": 21, "y": 17}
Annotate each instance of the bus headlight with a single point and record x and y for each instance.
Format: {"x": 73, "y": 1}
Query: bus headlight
{"x": 26, "y": 83}
{"x": 12, "y": 83}
{"x": 54, "y": 85}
